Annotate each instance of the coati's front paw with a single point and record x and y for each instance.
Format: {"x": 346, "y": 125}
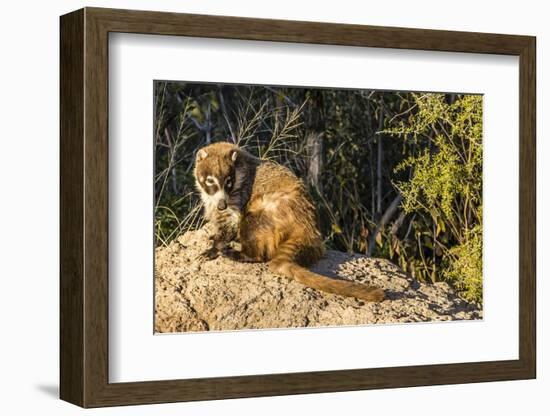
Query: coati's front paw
{"x": 210, "y": 254}
{"x": 233, "y": 254}
{"x": 237, "y": 255}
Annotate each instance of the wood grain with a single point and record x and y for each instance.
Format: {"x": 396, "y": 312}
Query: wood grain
{"x": 71, "y": 218}
{"x": 84, "y": 207}
{"x": 527, "y": 208}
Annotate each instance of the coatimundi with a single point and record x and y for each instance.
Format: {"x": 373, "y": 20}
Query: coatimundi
{"x": 266, "y": 208}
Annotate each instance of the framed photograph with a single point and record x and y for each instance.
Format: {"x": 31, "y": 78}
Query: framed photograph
{"x": 255, "y": 207}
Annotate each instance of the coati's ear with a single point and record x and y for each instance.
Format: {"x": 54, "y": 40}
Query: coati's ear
{"x": 234, "y": 155}
{"x": 201, "y": 154}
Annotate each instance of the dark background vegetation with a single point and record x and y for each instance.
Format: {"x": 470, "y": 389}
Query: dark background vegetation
{"x": 394, "y": 174}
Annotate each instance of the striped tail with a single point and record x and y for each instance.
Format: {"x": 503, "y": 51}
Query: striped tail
{"x": 281, "y": 264}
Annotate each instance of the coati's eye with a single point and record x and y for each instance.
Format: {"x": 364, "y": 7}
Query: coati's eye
{"x": 209, "y": 181}
{"x": 228, "y": 183}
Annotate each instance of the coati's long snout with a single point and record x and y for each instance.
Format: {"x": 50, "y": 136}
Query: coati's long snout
{"x": 325, "y": 284}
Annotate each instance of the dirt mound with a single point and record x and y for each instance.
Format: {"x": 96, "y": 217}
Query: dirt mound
{"x": 226, "y": 295}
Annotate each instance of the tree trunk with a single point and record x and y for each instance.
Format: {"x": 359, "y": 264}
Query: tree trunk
{"x": 371, "y": 170}
{"x": 384, "y": 220}
{"x": 379, "y": 160}
{"x": 315, "y": 130}
{"x": 314, "y": 143}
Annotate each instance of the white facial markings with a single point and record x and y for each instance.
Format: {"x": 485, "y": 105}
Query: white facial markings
{"x": 211, "y": 201}
{"x": 228, "y": 182}
{"x": 211, "y": 180}
{"x": 211, "y": 212}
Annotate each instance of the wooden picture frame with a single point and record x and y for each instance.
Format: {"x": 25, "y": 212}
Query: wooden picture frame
{"x": 84, "y": 207}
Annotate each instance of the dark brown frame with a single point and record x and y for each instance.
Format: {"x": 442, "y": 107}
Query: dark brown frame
{"x": 84, "y": 209}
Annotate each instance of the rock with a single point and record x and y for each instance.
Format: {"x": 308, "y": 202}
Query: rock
{"x": 222, "y": 294}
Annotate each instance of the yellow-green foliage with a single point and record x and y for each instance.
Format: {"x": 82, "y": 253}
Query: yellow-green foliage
{"x": 445, "y": 184}
{"x": 465, "y": 264}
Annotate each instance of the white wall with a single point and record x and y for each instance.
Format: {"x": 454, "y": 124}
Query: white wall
{"x": 29, "y": 85}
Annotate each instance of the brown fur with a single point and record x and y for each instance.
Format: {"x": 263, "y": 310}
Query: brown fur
{"x": 272, "y": 216}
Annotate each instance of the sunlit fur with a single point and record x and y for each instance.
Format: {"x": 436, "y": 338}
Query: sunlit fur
{"x": 270, "y": 213}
